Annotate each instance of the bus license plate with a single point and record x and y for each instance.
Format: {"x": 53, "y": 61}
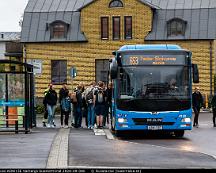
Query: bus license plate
{"x": 154, "y": 127}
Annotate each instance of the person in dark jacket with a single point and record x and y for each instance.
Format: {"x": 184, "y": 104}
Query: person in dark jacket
{"x": 51, "y": 100}
{"x": 45, "y": 107}
{"x": 197, "y": 102}
{"x": 78, "y": 107}
{"x": 213, "y": 103}
{"x": 63, "y": 92}
{"x": 108, "y": 104}
{"x": 66, "y": 109}
{"x": 99, "y": 103}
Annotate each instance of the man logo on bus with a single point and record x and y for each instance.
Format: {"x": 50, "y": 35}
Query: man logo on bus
{"x": 154, "y": 113}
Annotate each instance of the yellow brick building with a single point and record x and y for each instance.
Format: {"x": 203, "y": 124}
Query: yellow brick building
{"x": 84, "y": 32}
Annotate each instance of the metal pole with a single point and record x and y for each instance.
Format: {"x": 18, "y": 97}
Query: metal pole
{"x": 6, "y": 97}
{"x": 211, "y": 68}
{"x": 26, "y": 92}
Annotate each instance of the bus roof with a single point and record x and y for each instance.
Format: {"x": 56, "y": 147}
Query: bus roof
{"x": 150, "y": 47}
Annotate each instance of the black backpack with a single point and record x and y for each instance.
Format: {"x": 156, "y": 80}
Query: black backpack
{"x": 100, "y": 96}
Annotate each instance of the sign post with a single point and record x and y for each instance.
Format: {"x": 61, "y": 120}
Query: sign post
{"x": 37, "y": 65}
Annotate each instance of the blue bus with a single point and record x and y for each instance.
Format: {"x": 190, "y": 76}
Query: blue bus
{"x": 152, "y": 88}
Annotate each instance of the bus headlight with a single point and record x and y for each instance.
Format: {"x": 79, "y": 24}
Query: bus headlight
{"x": 186, "y": 120}
{"x": 122, "y": 120}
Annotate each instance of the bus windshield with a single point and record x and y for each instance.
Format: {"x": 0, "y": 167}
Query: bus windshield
{"x": 153, "y": 88}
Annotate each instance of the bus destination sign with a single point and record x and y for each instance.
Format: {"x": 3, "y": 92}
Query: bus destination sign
{"x": 153, "y": 60}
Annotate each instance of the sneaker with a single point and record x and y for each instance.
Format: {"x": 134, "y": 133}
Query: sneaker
{"x": 52, "y": 126}
{"x": 48, "y": 125}
{"x": 44, "y": 124}
{"x": 62, "y": 126}
{"x": 214, "y": 125}
{"x": 66, "y": 127}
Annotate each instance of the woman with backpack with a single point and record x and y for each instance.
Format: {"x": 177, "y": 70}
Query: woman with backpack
{"x": 89, "y": 100}
{"x": 99, "y": 102}
{"x": 66, "y": 109}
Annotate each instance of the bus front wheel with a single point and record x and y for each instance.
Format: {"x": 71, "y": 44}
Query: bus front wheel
{"x": 179, "y": 133}
{"x": 118, "y": 133}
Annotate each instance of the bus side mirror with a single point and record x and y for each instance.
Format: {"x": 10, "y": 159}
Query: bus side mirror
{"x": 113, "y": 69}
{"x": 195, "y": 73}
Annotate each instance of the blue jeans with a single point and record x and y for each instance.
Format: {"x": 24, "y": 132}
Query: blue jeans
{"x": 78, "y": 117}
{"x": 91, "y": 115}
{"x": 51, "y": 111}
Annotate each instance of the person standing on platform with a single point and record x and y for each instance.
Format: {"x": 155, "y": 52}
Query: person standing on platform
{"x": 213, "y": 104}
{"x": 108, "y": 103}
{"x": 63, "y": 92}
{"x": 51, "y": 100}
{"x": 78, "y": 107}
{"x": 66, "y": 109}
{"x": 89, "y": 99}
{"x": 197, "y": 102}
{"x": 45, "y": 107}
{"x": 99, "y": 103}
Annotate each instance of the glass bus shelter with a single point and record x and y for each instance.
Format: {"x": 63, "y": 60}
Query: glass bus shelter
{"x": 16, "y": 96}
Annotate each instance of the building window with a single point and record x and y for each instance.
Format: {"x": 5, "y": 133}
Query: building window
{"x": 58, "y": 30}
{"x": 59, "y": 71}
{"x": 115, "y": 3}
{"x": 176, "y": 27}
{"x": 116, "y": 28}
{"x": 128, "y": 27}
{"x": 104, "y": 28}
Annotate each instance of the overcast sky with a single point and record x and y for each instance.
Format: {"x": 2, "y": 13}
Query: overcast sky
{"x": 10, "y": 14}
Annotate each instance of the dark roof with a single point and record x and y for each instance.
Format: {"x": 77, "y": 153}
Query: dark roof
{"x": 183, "y": 4}
{"x": 201, "y": 24}
{"x": 9, "y": 36}
{"x": 39, "y": 14}
{"x": 36, "y": 26}
{"x": 200, "y": 16}
{"x": 55, "y": 5}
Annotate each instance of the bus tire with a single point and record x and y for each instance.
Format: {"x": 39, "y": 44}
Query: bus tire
{"x": 179, "y": 133}
{"x": 118, "y": 133}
